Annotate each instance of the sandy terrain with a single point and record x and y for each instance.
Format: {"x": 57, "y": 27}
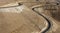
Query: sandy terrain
{"x": 26, "y": 21}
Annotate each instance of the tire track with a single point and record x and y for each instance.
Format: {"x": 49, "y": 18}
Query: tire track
{"x": 48, "y": 23}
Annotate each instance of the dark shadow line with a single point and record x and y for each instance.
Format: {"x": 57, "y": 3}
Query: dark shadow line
{"x": 19, "y": 4}
{"x": 48, "y": 21}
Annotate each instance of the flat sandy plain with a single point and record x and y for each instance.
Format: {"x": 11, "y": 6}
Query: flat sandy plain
{"x": 26, "y": 21}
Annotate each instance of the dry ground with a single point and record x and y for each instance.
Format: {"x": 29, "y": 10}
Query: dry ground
{"x": 22, "y": 22}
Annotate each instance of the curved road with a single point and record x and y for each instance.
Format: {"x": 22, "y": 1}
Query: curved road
{"x": 48, "y": 23}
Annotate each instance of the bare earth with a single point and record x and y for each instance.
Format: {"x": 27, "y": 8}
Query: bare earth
{"x": 27, "y": 21}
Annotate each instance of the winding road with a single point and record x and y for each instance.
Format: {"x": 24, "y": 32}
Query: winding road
{"x": 48, "y": 23}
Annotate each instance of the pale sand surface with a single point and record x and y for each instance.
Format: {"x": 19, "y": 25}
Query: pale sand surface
{"x": 22, "y": 21}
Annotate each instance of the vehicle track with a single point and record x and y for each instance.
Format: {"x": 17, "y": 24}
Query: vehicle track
{"x": 48, "y": 23}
